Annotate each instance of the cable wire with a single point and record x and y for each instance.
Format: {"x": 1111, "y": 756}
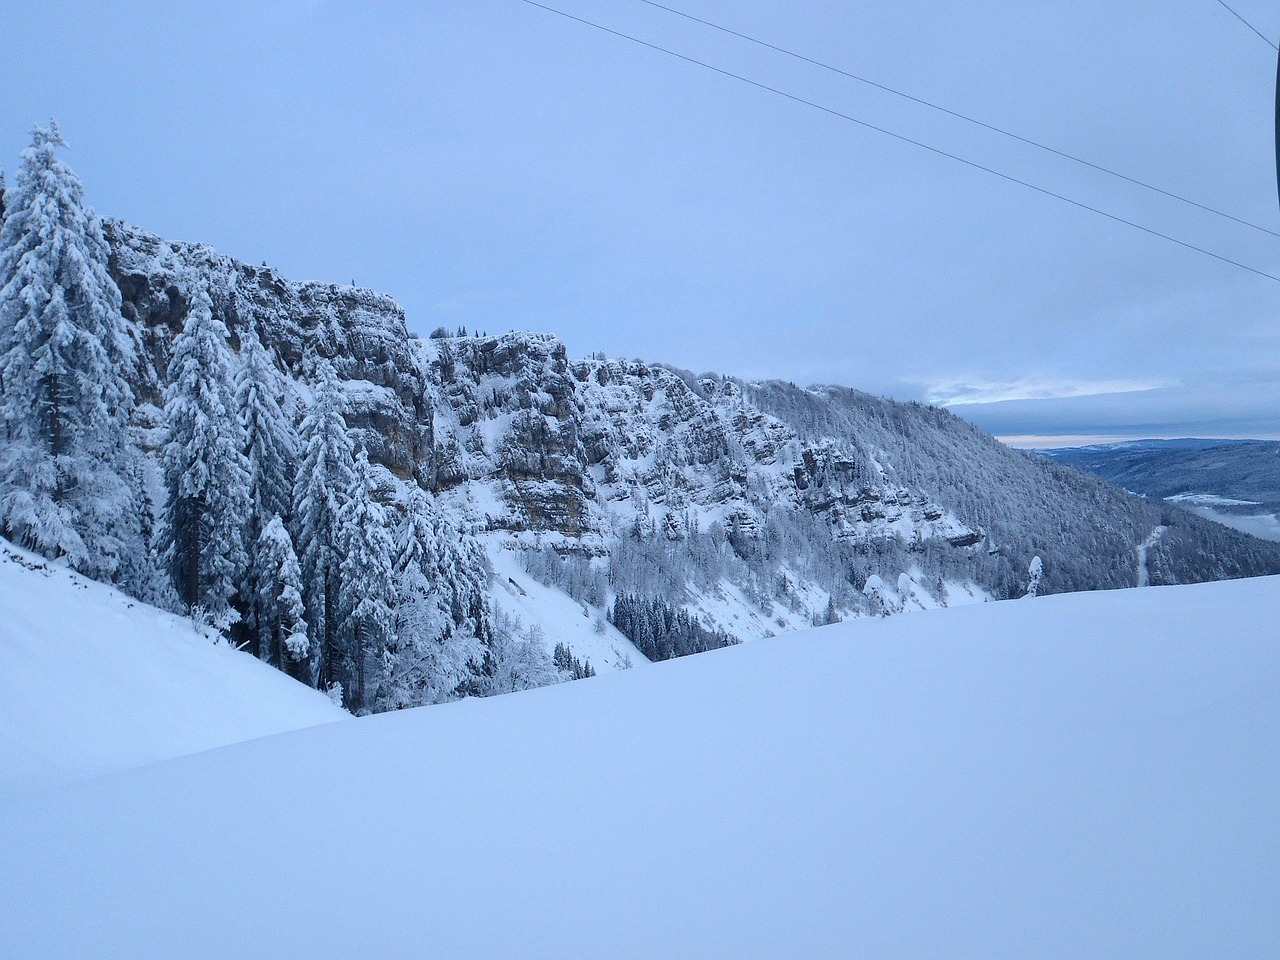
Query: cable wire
{"x": 1229, "y": 10}
{"x": 961, "y": 116}
{"x": 900, "y": 137}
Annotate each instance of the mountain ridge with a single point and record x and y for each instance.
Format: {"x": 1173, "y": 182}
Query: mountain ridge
{"x": 635, "y": 464}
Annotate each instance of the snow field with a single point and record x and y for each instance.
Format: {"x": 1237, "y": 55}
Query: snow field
{"x": 92, "y": 681}
{"x": 1087, "y": 775}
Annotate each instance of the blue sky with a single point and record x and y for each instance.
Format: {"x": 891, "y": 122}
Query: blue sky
{"x": 494, "y": 166}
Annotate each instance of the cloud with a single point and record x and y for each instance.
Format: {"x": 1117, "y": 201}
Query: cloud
{"x": 1242, "y": 404}
{"x": 957, "y": 392}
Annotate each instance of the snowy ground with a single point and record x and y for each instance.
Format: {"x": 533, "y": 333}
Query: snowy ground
{"x": 1091, "y": 775}
{"x": 92, "y": 681}
{"x": 562, "y": 619}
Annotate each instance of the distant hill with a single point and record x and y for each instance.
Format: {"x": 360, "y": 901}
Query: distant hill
{"x": 1232, "y": 469}
{"x": 1235, "y": 482}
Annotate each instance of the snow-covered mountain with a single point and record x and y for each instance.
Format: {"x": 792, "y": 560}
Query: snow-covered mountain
{"x": 754, "y": 507}
{"x": 1071, "y": 776}
{"x": 93, "y": 681}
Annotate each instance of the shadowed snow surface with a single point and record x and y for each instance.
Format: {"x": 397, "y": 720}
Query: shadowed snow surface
{"x": 1091, "y": 775}
{"x": 92, "y": 681}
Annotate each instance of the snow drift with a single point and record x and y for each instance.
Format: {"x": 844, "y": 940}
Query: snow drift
{"x": 93, "y": 681}
{"x": 1073, "y": 776}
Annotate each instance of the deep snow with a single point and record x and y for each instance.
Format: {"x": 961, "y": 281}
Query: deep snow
{"x": 1089, "y": 775}
{"x": 92, "y": 681}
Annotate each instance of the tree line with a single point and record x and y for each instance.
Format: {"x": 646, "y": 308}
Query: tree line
{"x": 258, "y": 515}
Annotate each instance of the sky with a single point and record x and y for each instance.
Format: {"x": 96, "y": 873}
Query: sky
{"x": 496, "y": 166}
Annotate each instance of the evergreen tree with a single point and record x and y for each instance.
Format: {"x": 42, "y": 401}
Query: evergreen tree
{"x": 270, "y": 448}
{"x": 365, "y": 582}
{"x": 467, "y": 572}
{"x": 428, "y": 656}
{"x": 570, "y": 667}
{"x": 1035, "y": 576}
{"x": 325, "y": 478}
{"x": 65, "y": 354}
{"x": 140, "y": 573}
{"x": 205, "y": 470}
{"x": 282, "y": 621}
{"x": 660, "y": 631}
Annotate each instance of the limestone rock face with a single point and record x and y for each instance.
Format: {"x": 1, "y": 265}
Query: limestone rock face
{"x": 509, "y": 418}
{"x": 586, "y": 450}
{"x": 361, "y": 332}
{"x": 513, "y": 434}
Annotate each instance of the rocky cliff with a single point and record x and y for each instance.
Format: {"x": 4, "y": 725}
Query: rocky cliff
{"x": 805, "y": 494}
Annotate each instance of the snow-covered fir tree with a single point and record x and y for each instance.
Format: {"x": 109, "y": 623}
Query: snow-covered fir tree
{"x": 428, "y": 656}
{"x": 1035, "y": 575}
{"x": 271, "y": 441}
{"x": 881, "y": 601}
{"x": 270, "y": 448}
{"x": 570, "y": 667}
{"x": 141, "y": 574}
{"x": 365, "y": 580}
{"x": 205, "y": 470}
{"x": 65, "y": 354}
{"x": 326, "y": 475}
{"x": 467, "y": 572}
{"x": 282, "y": 619}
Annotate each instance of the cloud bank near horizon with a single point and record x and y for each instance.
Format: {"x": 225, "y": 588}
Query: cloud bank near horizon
{"x": 1204, "y": 409}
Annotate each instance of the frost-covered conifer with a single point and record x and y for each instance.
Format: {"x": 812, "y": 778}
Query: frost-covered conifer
{"x": 142, "y": 572}
{"x": 271, "y": 443}
{"x": 270, "y": 448}
{"x": 570, "y": 667}
{"x": 365, "y": 583}
{"x": 282, "y": 621}
{"x": 428, "y": 656}
{"x": 1035, "y": 573}
{"x": 880, "y": 600}
{"x": 205, "y": 469}
{"x": 323, "y": 484}
{"x": 65, "y": 352}
{"x": 468, "y": 573}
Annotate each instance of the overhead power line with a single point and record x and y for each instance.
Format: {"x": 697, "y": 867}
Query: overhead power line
{"x": 900, "y": 137}
{"x": 1225, "y": 6}
{"x": 961, "y": 116}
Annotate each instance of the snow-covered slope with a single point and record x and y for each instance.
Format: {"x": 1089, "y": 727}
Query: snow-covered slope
{"x": 584, "y": 629}
{"x": 1092, "y": 775}
{"x": 92, "y": 681}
